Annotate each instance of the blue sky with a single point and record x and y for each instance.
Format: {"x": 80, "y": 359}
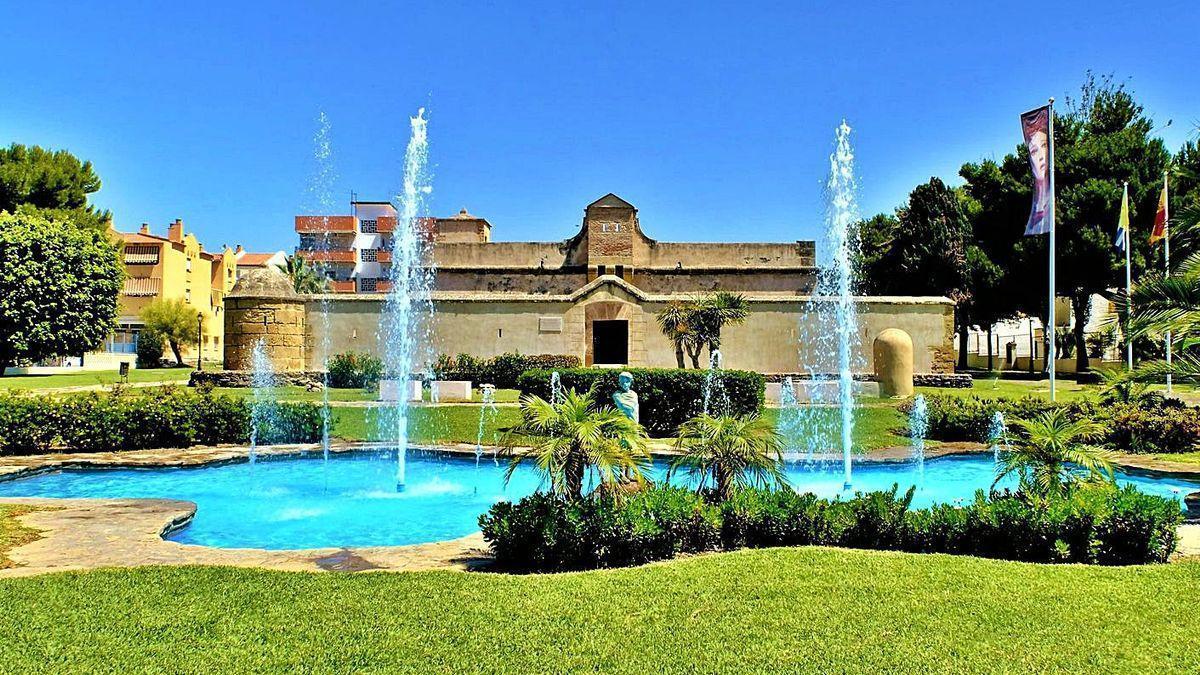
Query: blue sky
{"x": 716, "y": 120}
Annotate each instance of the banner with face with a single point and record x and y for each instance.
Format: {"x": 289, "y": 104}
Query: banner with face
{"x": 1035, "y": 125}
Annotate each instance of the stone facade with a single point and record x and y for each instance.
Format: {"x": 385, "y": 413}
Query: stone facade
{"x": 595, "y": 296}
{"x": 263, "y": 306}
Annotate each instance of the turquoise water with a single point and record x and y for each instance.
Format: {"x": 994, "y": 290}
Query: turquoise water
{"x": 298, "y": 502}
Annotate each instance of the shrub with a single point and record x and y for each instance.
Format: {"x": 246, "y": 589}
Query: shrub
{"x": 502, "y": 370}
{"x": 1150, "y": 425}
{"x": 1094, "y": 524}
{"x": 170, "y": 417}
{"x": 547, "y": 533}
{"x": 668, "y": 396}
{"x": 355, "y": 370}
{"x": 150, "y": 347}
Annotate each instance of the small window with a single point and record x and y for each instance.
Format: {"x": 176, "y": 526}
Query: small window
{"x": 601, "y": 270}
{"x": 367, "y": 285}
{"x": 370, "y": 226}
{"x": 621, "y": 271}
{"x": 370, "y": 255}
{"x": 499, "y": 332}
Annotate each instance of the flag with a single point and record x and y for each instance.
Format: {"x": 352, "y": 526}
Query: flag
{"x": 1123, "y": 222}
{"x": 1160, "y": 217}
{"x": 1035, "y": 125}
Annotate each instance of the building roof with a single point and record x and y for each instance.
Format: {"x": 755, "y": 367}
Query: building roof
{"x": 248, "y": 259}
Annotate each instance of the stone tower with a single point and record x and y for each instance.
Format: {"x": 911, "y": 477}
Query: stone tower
{"x": 263, "y": 305}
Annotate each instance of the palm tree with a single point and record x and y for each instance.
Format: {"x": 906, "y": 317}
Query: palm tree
{"x": 1048, "y": 447}
{"x": 717, "y": 311}
{"x": 573, "y": 437}
{"x": 695, "y": 324}
{"x": 732, "y": 451}
{"x": 675, "y": 322}
{"x": 305, "y": 278}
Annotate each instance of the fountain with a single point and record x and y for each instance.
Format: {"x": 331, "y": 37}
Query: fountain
{"x": 715, "y": 401}
{"x": 918, "y": 428}
{"x": 790, "y": 420}
{"x": 408, "y": 310}
{"x": 320, "y": 197}
{"x": 262, "y": 408}
{"x": 997, "y": 435}
{"x": 486, "y": 411}
{"x": 556, "y": 389}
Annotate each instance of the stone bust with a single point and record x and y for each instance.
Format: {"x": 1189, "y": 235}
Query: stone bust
{"x": 625, "y": 398}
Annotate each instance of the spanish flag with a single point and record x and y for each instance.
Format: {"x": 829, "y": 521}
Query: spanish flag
{"x": 1160, "y": 217}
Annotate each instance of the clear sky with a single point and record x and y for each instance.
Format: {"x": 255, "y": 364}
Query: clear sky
{"x": 716, "y": 120}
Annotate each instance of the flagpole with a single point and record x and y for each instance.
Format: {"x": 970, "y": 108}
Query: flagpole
{"x": 1051, "y": 348}
{"x": 1128, "y": 287}
{"x": 1167, "y": 261}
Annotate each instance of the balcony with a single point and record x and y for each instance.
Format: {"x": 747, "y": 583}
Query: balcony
{"x": 321, "y": 224}
{"x": 142, "y": 287}
{"x": 383, "y": 256}
{"x": 385, "y": 224}
{"x": 341, "y": 286}
{"x": 335, "y": 256}
{"x": 383, "y": 286}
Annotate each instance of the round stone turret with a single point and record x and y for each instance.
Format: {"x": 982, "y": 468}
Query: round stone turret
{"x": 263, "y": 305}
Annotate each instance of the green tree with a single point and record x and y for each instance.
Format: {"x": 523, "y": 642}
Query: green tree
{"x": 929, "y": 248}
{"x": 175, "y": 321}
{"x": 575, "y": 437}
{"x": 691, "y": 325}
{"x": 1051, "y": 450}
{"x": 58, "y": 288}
{"x": 52, "y": 181}
{"x": 305, "y": 278}
{"x": 730, "y": 452}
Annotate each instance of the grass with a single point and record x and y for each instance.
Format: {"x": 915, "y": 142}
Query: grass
{"x": 1180, "y": 457}
{"x": 13, "y": 533}
{"x": 93, "y": 377}
{"x": 875, "y": 427}
{"x": 774, "y": 610}
{"x": 350, "y": 395}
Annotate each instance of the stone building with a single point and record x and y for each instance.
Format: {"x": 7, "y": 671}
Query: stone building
{"x": 596, "y": 294}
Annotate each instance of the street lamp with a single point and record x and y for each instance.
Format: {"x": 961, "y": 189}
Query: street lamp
{"x": 199, "y": 341}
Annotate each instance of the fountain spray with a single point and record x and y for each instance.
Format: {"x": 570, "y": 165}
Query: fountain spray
{"x": 843, "y": 212}
{"x": 406, "y": 321}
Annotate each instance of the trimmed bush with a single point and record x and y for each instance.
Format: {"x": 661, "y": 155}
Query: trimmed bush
{"x": 668, "y": 396}
{"x": 1095, "y": 524}
{"x": 502, "y": 370}
{"x": 170, "y": 417}
{"x": 355, "y": 370}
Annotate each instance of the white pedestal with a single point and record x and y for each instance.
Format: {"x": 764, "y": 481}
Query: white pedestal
{"x": 390, "y": 390}
{"x": 451, "y": 390}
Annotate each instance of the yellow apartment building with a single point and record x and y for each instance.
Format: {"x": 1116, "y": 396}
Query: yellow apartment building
{"x": 175, "y": 266}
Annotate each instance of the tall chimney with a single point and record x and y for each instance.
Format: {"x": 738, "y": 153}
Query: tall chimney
{"x": 175, "y": 231}
{"x": 145, "y": 228}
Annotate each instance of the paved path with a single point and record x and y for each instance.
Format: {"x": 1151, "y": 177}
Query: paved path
{"x": 92, "y": 533}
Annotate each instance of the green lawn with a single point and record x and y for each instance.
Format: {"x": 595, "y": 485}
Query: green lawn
{"x": 348, "y": 395}
{"x": 82, "y": 379}
{"x": 875, "y": 427}
{"x": 775, "y": 610}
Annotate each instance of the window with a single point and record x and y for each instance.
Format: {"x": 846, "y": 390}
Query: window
{"x": 369, "y": 226}
{"x": 601, "y": 270}
{"x": 367, "y": 285}
{"x": 621, "y": 271}
{"x": 370, "y": 254}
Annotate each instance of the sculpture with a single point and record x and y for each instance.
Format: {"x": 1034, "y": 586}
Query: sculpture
{"x": 625, "y": 398}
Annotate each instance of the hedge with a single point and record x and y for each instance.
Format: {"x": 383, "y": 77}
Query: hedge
{"x": 502, "y": 370}
{"x": 1153, "y": 425}
{"x": 1094, "y": 524}
{"x": 170, "y": 417}
{"x": 668, "y": 397}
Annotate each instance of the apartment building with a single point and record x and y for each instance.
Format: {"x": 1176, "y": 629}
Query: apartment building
{"x": 355, "y": 250}
{"x": 171, "y": 267}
